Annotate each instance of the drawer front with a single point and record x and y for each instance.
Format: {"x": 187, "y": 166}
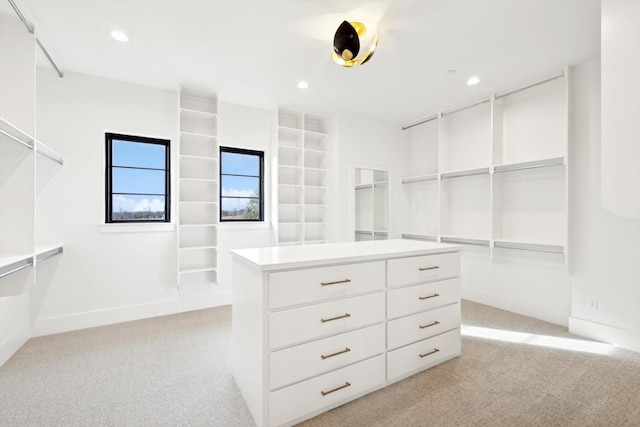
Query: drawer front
{"x": 423, "y": 354}
{"x": 318, "y": 357}
{"x": 421, "y": 269}
{"x": 414, "y": 299}
{"x": 290, "y": 403}
{"x": 423, "y": 325}
{"x": 289, "y": 327}
{"x": 288, "y": 288}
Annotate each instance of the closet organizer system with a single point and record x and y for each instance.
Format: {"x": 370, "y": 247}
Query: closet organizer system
{"x": 301, "y": 190}
{"x": 494, "y": 173}
{"x": 198, "y": 198}
{"x": 26, "y": 166}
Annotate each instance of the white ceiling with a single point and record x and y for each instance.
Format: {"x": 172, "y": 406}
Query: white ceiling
{"x": 253, "y": 52}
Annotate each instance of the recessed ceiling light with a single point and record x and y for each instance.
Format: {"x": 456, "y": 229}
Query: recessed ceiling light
{"x": 473, "y": 81}
{"x": 119, "y": 35}
{"x": 303, "y": 85}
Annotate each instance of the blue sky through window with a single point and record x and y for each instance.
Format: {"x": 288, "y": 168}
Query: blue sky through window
{"x": 240, "y": 179}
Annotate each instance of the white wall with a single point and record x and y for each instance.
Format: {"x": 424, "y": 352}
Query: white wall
{"x": 362, "y": 142}
{"x": 249, "y": 128}
{"x": 108, "y": 273}
{"x": 607, "y": 237}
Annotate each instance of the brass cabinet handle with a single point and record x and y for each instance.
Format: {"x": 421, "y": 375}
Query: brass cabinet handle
{"x": 431, "y": 352}
{"x": 335, "y": 318}
{"x": 335, "y": 283}
{"x": 346, "y": 350}
{"x": 430, "y": 296}
{"x": 345, "y": 385}
{"x": 429, "y": 325}
{"x": 435, "y": 267}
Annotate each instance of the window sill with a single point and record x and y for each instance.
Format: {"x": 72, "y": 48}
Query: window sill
{"x": 261, "y": 225}
{"x": 136, "y": 228}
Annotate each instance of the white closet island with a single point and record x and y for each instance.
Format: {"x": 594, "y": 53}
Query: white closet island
{"x": 316, "y": 326}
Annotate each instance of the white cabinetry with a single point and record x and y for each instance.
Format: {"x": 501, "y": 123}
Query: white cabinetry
{"x": 317, "y": 326}
{"x": 494, "y": 173}
{"x": 301, "y": 190}
{"x": 371, "y": 204}
{"x": 197, "y": 187}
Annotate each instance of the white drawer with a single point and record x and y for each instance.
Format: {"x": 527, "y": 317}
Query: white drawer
{"x": 423, "y": 354}
{"x": 289, "y": 327}
{"x": 290, "y": 403}
{"x": 317, "y": 357}
{"x": 293, "y": 287}
{"x": 422, "y": 325}
{"x": 413, "y": 299}
{"x": 421, "y": 269}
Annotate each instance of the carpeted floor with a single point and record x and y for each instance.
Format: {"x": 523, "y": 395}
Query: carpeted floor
{"x": 174, "y": 371}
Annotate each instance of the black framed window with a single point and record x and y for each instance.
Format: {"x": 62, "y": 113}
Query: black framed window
{"x": 137, "y": 179}
{"x": 241, "y": 184}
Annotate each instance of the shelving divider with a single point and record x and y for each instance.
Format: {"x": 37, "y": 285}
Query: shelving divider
{"x": 198, "y": 199}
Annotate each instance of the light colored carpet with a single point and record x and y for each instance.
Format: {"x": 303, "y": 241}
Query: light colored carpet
{"x": 174, "y": 371}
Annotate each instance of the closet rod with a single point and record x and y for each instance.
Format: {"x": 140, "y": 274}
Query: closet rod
{"x": 466, "y": 107}
{"x": 49, "y": 156}
{"x": 532, "y": 248}
{"x": 513, "y": 92}
{"x": 32, "y": 29}
{"x": 419, "y": 122}
{"x": 56, "y": 252}
{"x": 16, "y": 139}
{"x": 15, "y": 270}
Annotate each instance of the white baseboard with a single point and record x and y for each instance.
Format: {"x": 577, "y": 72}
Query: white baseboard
{"x": 605, "y": 333}
{"x": 525, "y": 308}
{"x": 91, "y": 319}
{"x": 13, "y": 343}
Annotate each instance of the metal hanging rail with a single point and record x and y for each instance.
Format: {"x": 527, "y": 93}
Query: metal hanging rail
{"x": 32, "y": 29}
{"x": 513, "y": 92}
{"x": 28, "y": 263}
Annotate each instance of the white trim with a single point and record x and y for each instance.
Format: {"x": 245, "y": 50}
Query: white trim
{"x": 525, "y": 308}
{"x": 136, "y": 227}
{"x": 605, "y": 333}
{"x": 13, "y": 343}
{"x": 90, "y": 319}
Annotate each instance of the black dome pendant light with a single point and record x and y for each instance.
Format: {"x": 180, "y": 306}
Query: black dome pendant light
{"x": 346, "y": 44}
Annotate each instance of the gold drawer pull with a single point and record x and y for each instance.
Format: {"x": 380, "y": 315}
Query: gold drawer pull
{"x": 335, "y": 318}
{"x": 435, "y": 267}
{"x": 335, "y": 283}
{"x": 346, "y": 384}
{"x": 430, "y": 296}
{"x": 429, "y": 325}
{"x": 431, "y": 352}
{"x": 346, "y": 350}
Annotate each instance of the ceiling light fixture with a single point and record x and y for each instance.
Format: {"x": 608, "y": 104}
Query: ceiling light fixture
{"x": 303, "y": 85}
{"x": 473, "y": 81}
{"x": 346, "y": 44}
{"x": 119, "y": 35}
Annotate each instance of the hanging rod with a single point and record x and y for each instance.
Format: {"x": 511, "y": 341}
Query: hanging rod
{"x": 466, "y": 107}
{"x": 51, "y": 254}
{"x": 419, "y": 122}
{"x": 31, "y": 28}
{"x": 550, "y": 79}
{"x": 16, "y": 139}
{"x": 15, "y": 270}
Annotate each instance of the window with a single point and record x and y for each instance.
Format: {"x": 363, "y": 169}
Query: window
{"x": 137, "y": 179}
{"x": 241, "y": 185}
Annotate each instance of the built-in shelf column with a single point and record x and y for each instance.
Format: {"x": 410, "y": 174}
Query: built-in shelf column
{"x": 198, "y": 196}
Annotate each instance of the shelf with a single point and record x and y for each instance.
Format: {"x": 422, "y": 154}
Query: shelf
{"x": 414, "y": 236}
{"x": 12, "y": 132}
{"x": 462, "y": 173}
{"x": 364, "y": 187}
{"x": 44, "y": 253}
{"x": 195, "y": 113}
{"x": 14, "y": 263}
{"x": 197, "y": 270}
{"x": 556, "y": 161}
{"x": 198, "y": 202}
{"x": 412, "y": 179}
{"x": 195, "y": 99}
{"x": 190, "y": 248}
{"x": 199, "y": 135}
{"x": 198, "y": 225}
{"x": 184, "y": 178}
{"x": 465, "y": 240}
{"x": 528, "y": 246}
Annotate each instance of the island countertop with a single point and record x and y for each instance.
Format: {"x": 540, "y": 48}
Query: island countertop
{"x": 284, "y": 257}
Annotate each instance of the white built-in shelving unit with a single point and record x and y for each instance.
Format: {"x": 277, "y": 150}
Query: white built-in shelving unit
{"x": 26, "y": 165}
{"x": 371, "y": 204}
{"x": 494, "y": 173}
{"x": 198, "y": 196}
{"x": 301, "y": 190}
